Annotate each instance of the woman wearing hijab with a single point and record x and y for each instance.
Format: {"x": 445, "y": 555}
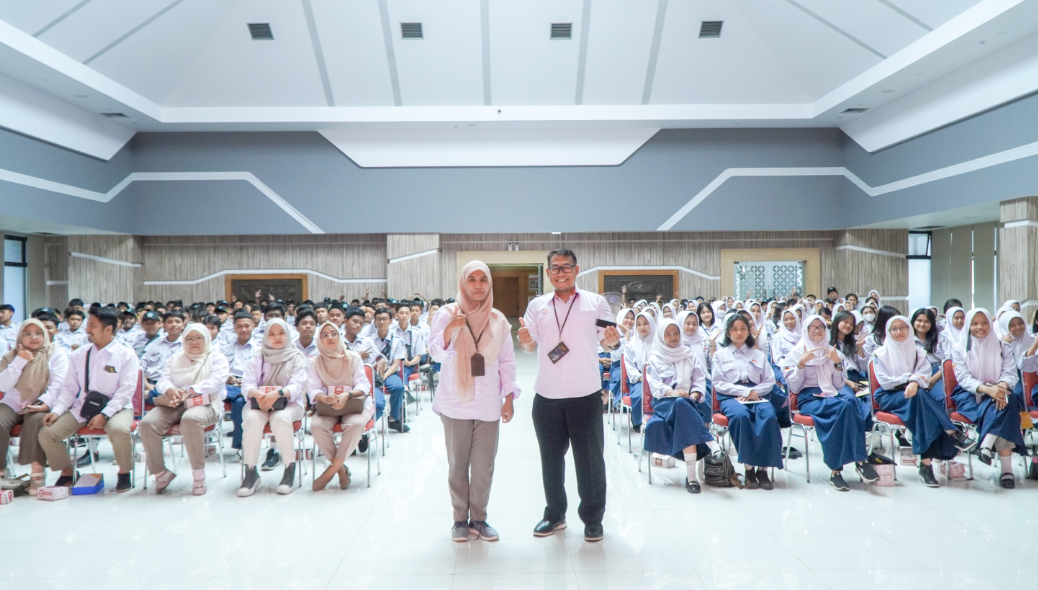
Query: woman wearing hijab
{"x": 30, "y": 378}
{"x": 625, "y": 325}
{"x": 1024, "y": 346}
{"x": 636, "y": 354}
{"x": 190, "y": 388}
{"x": 275, "y": 382}
{"x": 815, "y": 374}
{"x": 787, "y": 336}
{"x": 669, "y": 311}
{"x": 933, "y": 347}
{"x": 879, "y": 330}
{"x": 692, "y": 337}
{"x": 473, "y": 343}
{"x": 901, "y": 369}
{"x": 335, "y": 366}
{"x": 677, "y": 382}
{"x": 986, "y": 371}
{"x": 744, "y": 379}
{"x": 954, "y": 326}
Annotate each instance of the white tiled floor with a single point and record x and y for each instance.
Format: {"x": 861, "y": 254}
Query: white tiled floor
{"x": 396, "y": 533}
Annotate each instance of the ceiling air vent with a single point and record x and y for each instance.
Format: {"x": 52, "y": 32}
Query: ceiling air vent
{"x": 261, "y": 32}
{"x": 561, "y": 30}
{"x": 928, "y": 228}
{"x": 411, "y": 30}
{"x": 115, "y": 115}
{"x": 710, "y": 29}
{"x": 854, "y": 111}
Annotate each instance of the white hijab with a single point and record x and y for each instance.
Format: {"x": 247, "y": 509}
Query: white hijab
{"x": 1021, "y": 344}
{"x": 983, "y": 355}
{"x": 681, "y": 356}
{"x": 188, "y": 369}
{"x": 641, "y": 346}
{"x": 821, "y": 348}
{"x": 954, "y": 335}
{"x": 790, "y": 337}
{"x": 898, "y": 358}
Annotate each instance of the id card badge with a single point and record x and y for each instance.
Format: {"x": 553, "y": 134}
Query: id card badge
{"x": 478, "y": 368}
{"x": 556, "y": 354}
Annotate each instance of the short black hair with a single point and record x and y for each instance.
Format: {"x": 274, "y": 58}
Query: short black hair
{"x": 320, "y": 305}
{"x": 74, "y": 302}
{"x": 276, "y": 306}
{"x": 71, "y": 312}
{"x": 383, "y": 310}
{"x": 7, "y": 307}
{"x": 562, "y": 252}
{"x": 212, "y": 320}
{"x": 46, "y": 316}
{"x": 438, "y": 302}
{"x": 731, "y": 319}
{"x": 305, "y": 311}
{"x": 951, "y": 303}
{"x": 242, "y": 315}
{"x": 108, "y": 317}
{"x": 175, "y": 313}
{"x": 406, "y": 304}
{"x": 352, "y": 311}
{"x": 930, "y": 340}
{"x": 883, "y": 316}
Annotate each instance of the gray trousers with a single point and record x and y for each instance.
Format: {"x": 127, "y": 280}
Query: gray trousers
{"x": 29, "y": 449}
{"x": 192, "y": 421}
{"x": 52, "y": 439}
{"x": 471, "y": 450}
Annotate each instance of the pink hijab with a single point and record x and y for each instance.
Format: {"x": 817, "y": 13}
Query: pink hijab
{"x": 484, "y": 323}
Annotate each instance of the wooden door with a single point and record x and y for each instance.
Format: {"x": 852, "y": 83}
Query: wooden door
{"x": 506, "y": 296}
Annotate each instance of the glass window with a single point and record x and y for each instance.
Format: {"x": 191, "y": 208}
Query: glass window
{"x": 919, "y": 244}
{"x": 918, "y": 282}
{"x": 14, "y": 251}
{"x": 14, "y": 291}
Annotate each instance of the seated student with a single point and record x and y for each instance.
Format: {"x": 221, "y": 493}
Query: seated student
{"x": 212, "y": 324}
{"x": 1024, "y": 346}
{"x": 321, "y": 311}
{"x": 707, "y": 322}
{"x": 151, "y": 328}
{"x": 879, "y": 330}
{"x": 788, "y": 335}
{"x": 844, "y": 337}
{"x": 8, "y": 327}
{"x": 197, "y": 370}
{"x": 277, "y": 364}
{"x": 636, "y": 354}
{"x": 410, "y": 339}
{"x": 625, "y": 325}
{"x": 113, "y": 370}
{"x": 693, "y": 337}
{"x": 337, "y": 315}
{"x": 421, "y": 330}
{"x": 392, "y": 353}
{"x": 933, "y": 347}
{"x": 815, "y": 374}
{"x": 274, "y": 310}
{"x": 238, "y": 352}
{"x": 129, "y": 329}
{"x": 668, "y": 311}
{"x": 334, "y": 366}
{"x": 953, "y": 325}
{"x": 31, "y": 375}
{"x": 290, "y": 313}
{"x": 677, "y": 382}
{"x": 76, "y": 304}
{"x": 157, "y": 353}
{"x": 74, "y": 334}
{"x": 901, "y": 369}
{"x": 741, "y": 375}
{"x": 986, "y": 371}
{"x": 306, "y": 327}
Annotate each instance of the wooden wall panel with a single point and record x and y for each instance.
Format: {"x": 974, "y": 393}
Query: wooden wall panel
{"x": 398, "y": 245}
{"x": 888, "y": 240}
{"x": 415, "y": 275}
{"x": 1016, "y": 209}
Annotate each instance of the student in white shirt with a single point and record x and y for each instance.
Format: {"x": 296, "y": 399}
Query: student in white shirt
{"x": 238, "y": 352}
{"x": 392, "y": 354}
{"x": 306, "y": 326}
{"x": 157, "y": 353}
{"x": 8, "y": 328}
{"x": 151, "y": 329}
{"x": 409, "y": 338}
{"x": 129, "y": 329}
{"x": 74, "y": 335}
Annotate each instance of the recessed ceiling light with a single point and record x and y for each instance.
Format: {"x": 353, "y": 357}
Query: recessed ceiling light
{"x": 114, "y": 115}
{"x": 561, "y": 30}
{"x": 854, "y": 111}
{"x": 556, "y": 233}
{"x": 411, "y": 31}
{"x": 261, "y": 32}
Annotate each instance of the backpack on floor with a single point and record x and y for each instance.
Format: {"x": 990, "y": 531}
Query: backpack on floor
{"x": 720, "y": 473}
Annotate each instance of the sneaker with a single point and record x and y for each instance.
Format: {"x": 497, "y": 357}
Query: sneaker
{"x": 273, "y": 458}
{"x": 124, "y": 484}
{"x": 66, "y": 481}
{"x": 638, "y": 428}
{"x": 362, "y": 445}
{"x": 901, "y": 440}
{"x": 1006, "y": 481}
{"x": 483, "y": 530}
{"x": 961, "y": 441}
{"x": 926, "y": 473}
{"x": 751, "y": 479}
{"x": 837, "y": 482}
{"x": 287, "y": 479}
{"x": 397, "y": 426}
{"x": 867, "y": 472}
{"x": 593, "y": 533}
{"x": 1032, "y": 472}
{"x": 763, "y": 481}
{"x": 163, "y": 480}
{"x": 84, "y": 459}
{"x": 250, "y": 483}
{"x": 460, "y": 532}
{"x": 692, "y": 487}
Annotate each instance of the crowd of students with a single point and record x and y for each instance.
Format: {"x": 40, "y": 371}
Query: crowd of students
{"x": 764, "y": 361}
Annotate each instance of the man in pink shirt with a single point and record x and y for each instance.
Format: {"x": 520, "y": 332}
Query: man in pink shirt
{"x": 562, "y": 327}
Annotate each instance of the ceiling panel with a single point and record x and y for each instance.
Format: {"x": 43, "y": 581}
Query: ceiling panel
{"x": 234, "y": 70}
{"x": 94, "y": 26}
{"x": 155, "y": 59}
{"x": 33, "y": 15}
{"x": 934, "y": 12}
{"x": 869, "y": 21}
{"x": 737, "y": 68}
{"x": 620, "y": 38}
{"x": 818, "y": 58}
{"x": 526, "y": 66}
{"x": 446, "y": 66}
{"x": 354, "y": 52}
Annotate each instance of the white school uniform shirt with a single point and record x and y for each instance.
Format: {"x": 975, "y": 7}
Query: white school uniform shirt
{"x": 732, "y": 365}
{"x": 156, "y": 357}
{"x": 970, "y": 383}
{"x": 68, "y": 339}
{"x": 58, "y": 365}
{"x": 129, "y": 337}
{"x": 308, "y": 351}
{"x": 238, "y": 356}
{"x": 409, "y": 336}
{"x": 391, "y": 345}
{"x": 663, "y": 377}
{"x": 890, "y": 381}
{"x": 360, "y": 345}
{"x": 360, "y": 381}
{"x": 141, "y": 342}
{"x": 940, "y": 351}
{"x": 113, "y": 372}
{"x": 9, "y": 334}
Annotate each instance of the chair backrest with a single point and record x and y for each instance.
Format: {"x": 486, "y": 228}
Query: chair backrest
{"x": 138, "y": 396}
{"x": 873, "y": 386}
{"x": 647, "y": 399}
{"x": 370, "y": 375}
{"x": 1030, "y": 380}
{"x": 715, "y": 404}
{"x": 623, "y": 375}
{"x": 950, "y": 383}
{"x": 792, "y": 401}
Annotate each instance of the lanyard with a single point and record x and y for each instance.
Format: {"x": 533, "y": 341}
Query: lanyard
{"x": 563, "y": 326}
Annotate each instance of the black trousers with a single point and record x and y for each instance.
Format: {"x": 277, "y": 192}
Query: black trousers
{"x": 560, "y": 424}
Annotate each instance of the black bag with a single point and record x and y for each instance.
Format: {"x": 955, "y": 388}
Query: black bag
{"x": 280, "y": 404}
{"x": 95, "y": 401}
{"x": 719, "y": 472}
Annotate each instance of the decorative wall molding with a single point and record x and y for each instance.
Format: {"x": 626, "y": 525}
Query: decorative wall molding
{"x": 415, "y": 255}
{"x": 55, "y": 283}
{"x": 870, "y": 251}
{"x": 105, "y": 260}
{"x": 647, "y": 267}
{"x": 1020, "y": 223}
{"x": 256, "y": 271}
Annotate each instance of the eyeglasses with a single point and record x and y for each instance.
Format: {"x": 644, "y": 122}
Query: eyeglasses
{"x": 563, "y": 268}
{"x": 814, "y": 328}
{"x": 898, "y": 329}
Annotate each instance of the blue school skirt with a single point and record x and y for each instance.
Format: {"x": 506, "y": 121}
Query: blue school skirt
{"x": 839, "y": 424}
{"x": 754, "y": 429}
{"x": 677, "y": 423}
{"x": 925, "y": 417}
{"x": 989, "y": 419}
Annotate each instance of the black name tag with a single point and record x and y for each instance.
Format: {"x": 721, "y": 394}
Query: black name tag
{"x": 556, "y": 354}
{"x": 478, "y": 368}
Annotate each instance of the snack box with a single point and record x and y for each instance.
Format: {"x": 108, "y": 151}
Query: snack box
{"x": 196, "y": 400}
{"x": 52, "y": 493}
{"x": 88, "y": 484}
{"x": 6, "y": 496}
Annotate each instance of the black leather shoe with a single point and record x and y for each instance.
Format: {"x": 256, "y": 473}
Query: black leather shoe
{"x": 793, "y": 453}
{"x": 638, "y": 428}
{"x": 1032, "y": 473}
{"x": 985, "y": 456}
{"x": 1006, "y": 481}
{"x": 362, "y": 444}
{"x": 763, "y": 481}
{"x": 926, "y": 473}
{"x": 84, "y": 459}
{"x": 547, "y": 528}
{"x": 124, "y": 484}
{"x": 751, "y": 480}
{"x": 397, "y": 426}
{"x": 692, "y": 487}
{"x": 593, "y": 533}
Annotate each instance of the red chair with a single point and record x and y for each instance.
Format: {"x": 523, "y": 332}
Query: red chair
{"x": 806, "y": 424}
{"x": 720, "y": 421}
{"x": 950, "y": 383}
{"x": 625, "y": 402}
{"x": 890, "y": 421}
{"x": 1030, "y": 381}
{"x": 369, "y": 433}
{"x": 85, "y": 434}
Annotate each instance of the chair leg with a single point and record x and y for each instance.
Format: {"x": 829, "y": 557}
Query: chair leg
{"x": 369, "y": 462}
{"x": 807, "y": 454}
